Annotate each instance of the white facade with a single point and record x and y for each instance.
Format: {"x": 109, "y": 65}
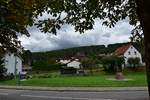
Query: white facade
{"x": 74, "y": 64}
{"x": 64, "y": 61}
{"x": 11, "y": 62}
{"x": 132, "y": 52}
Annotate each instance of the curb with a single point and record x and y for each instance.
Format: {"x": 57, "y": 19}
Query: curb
{"x": 76, "y": 89}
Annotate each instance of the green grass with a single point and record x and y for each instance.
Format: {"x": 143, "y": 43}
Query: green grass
{"x": 101, "y": 80}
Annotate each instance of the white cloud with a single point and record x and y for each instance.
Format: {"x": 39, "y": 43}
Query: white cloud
{"x": 67, "y": 37}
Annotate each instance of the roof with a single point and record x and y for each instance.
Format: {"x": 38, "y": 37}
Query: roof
{"x": 73, "y": 60}
{"x": 121, "y": 50}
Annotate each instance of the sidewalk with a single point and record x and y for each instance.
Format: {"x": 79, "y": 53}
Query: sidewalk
{"x": 84, "y": 89}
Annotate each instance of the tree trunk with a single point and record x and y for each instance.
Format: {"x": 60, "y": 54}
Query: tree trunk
{"x": 143, "y": 11}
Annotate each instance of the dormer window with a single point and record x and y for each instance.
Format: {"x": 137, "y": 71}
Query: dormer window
{"x": 129, "y": 53}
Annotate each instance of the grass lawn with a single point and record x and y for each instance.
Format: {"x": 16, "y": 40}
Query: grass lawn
{"x": 101, "y": 80}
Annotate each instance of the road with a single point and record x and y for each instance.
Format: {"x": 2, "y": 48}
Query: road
{"x": 12, "y": 94}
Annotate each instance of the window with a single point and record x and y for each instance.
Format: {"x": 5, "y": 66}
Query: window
{"x": 129, "y": 53}
{"x": 9, "y": 54}
{"x": 135, "y": 52}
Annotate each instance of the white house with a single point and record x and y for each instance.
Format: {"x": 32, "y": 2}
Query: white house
{"x": 13, "y": 63}
{"x": 74, "y": 63}
{"x": 71, "y": 63}
{"x": 128, "y": 51}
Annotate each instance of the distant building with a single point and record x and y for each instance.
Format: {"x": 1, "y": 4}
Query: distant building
{"x": 74, "y": 63}
{"x": 64, "y": 61}
{"x": 128, "y": 51}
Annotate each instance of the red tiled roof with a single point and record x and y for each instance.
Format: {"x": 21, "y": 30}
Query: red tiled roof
{"x": 121, "y": 50}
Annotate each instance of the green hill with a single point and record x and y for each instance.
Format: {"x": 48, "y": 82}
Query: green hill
{"x": 67, "y": 53}
{"x": 86, "y": 50}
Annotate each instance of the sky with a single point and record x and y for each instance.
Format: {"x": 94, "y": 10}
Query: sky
{"x": 67, "y": 37}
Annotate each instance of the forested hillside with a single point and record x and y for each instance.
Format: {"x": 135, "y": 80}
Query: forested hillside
{"x": 51, "y": 56}
{"x": 86, "y": 50}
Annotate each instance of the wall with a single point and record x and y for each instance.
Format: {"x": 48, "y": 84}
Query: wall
{"x": 74, "y": 64}
{"x": 10, "y": 60}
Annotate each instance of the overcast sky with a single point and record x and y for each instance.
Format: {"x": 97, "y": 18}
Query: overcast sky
{"x": 66, "y": 37}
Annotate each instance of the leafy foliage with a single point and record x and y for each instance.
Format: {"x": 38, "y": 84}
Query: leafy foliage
{"x": 17, "y": 15}
{"x": 134, "y": 62}
{"x": 81, "y": 14}
{"x": 27, "y": 57}
{"x": 87, "y": 63}
{"x": 2, "y": 69}
{"x": 68, "y": 70}
{"x": 14, "y": 18}
{"x": 45, "y": 66}
{"x": 112, "y": 63}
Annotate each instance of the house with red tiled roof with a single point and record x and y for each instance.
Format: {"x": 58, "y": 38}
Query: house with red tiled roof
{"x": 128, "y": 51}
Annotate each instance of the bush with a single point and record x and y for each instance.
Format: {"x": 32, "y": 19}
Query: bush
{"x": 44, "y": 66}
{"x": 112, "y": 63}
{"x": 133, "y": 62}
{"x": 9, "y": 77}
{"x": 68, "y": 70}
{"x": 43, "y": 76}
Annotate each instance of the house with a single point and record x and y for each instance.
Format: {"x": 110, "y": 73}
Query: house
{"x": 74, "y": 63}
{"x": 13, "y": 63}
{"x": 128, "y": 51}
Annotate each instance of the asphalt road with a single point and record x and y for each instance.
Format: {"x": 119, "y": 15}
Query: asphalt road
{"x": 12, "y": 94}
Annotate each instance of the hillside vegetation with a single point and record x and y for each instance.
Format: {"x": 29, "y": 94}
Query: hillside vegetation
{"x": 86, "y": 50}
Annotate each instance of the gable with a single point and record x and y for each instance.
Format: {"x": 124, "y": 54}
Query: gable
{"x": 132, "y": 52}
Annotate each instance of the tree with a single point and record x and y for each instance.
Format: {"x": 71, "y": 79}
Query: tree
{"x": 119, "y": 63}
{"x": 2, "y": 69}
{"x": 15, "y": 17}
{"x": 17, "y": 14}
{"x": 88, "y": 63}
{"x": 112, "y": 63}
{"x": 108, "y": 63}
{"x": 27, "y": 56}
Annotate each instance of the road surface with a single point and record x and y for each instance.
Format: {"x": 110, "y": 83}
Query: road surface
{"x": 12, "y": 94}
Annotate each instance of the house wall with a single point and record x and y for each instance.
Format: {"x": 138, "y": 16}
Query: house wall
{"x": 132, "y": 52}
{"x": 10, "y": 60}
{"x": 74, "y": 64}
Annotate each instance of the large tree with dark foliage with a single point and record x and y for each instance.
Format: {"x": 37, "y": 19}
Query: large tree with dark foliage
{"x": 16, "y": 15}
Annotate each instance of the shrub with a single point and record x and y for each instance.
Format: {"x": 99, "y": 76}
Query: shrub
{"x": 68, "y": 70}
{"x": 44, "y": 66}
{"x": 134, "y": 62}
{"x": 112, "y": 63}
